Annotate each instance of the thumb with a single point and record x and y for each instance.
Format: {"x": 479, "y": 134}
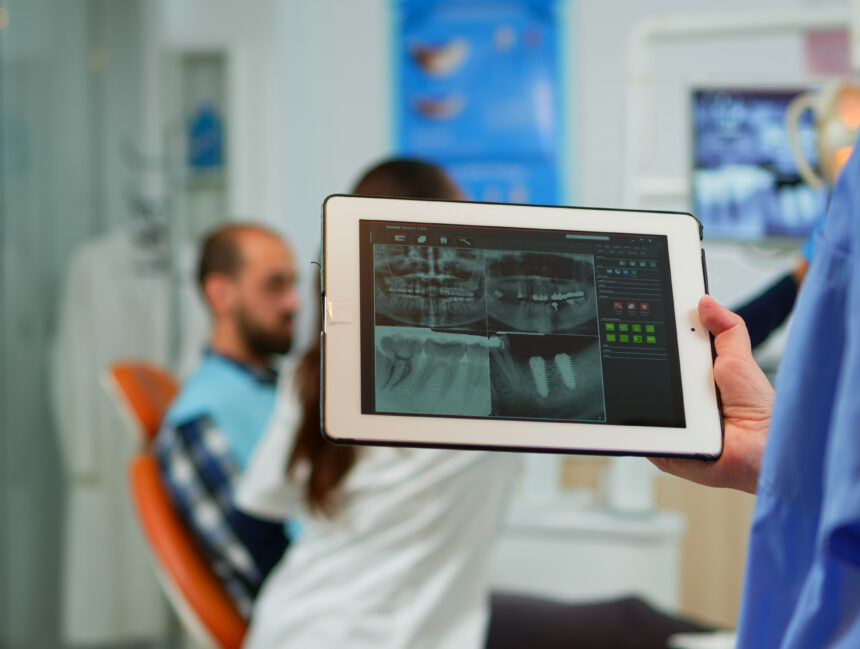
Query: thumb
{"x": 730, "y": 332}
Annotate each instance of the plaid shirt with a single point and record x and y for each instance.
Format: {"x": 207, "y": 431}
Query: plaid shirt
{"x": 200, "y": 473}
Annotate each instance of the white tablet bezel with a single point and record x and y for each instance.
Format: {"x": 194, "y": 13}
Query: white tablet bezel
{"x": 343, "y": 421}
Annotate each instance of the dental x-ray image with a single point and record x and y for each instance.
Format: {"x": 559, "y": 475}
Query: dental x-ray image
{"x": 546, "y": 377}
{"x": 541, "y": 292}
{"x": 420, "y": 371}
{"x": 428, "y": 286}
{"x": 745, "y": 180}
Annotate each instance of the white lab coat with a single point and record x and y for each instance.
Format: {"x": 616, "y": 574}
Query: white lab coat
{"x": 404, "y": 562}
{"x": 115, "y": 304}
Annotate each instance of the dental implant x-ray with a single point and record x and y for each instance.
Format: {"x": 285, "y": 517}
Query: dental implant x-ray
{"x": 421, "y": 371}
{"x": 541, "y": 292}
{"x": 547, "y": 377}
{"x": 426, "y": 286}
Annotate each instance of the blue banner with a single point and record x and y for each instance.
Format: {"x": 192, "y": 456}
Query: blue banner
{"x": 478, "y": 92}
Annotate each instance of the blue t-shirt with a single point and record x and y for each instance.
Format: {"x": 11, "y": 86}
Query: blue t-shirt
{"x": 802, "y": 586}
{"x": 237, "y": 398}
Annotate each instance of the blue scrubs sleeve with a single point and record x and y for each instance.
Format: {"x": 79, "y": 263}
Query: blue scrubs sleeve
{"x": 802, "y": 587}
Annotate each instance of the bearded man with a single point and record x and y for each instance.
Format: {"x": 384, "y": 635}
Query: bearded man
{"x": 248, "y": 279}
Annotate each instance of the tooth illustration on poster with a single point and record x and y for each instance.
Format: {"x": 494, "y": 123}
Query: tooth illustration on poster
{"x": 440, "y": 60}
{"x": 439, "y": 108}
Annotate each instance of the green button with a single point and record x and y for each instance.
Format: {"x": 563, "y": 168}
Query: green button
{"x": 653, "y": 264}
{"x": 622, "y": 263}
{"x": 637, "y": 327}
{"x": 610, "y": 326}
{"x": 610, "y": 338}
{"x": 632, "y": 262}
{"x": 622, "y": 326}
{"x": 651, "y": 339}
{"x": 637, "y": 339}
{"x": 649, "y": 329}
{"x": 642, "y": 264}
{"x": 633, "y": 272}
{"x": 624, "y": 338}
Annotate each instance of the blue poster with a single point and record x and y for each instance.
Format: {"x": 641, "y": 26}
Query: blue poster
{"x": 206, "y": 139}
{"x": 478, "y": 92}
{"x": 534, "y": 182}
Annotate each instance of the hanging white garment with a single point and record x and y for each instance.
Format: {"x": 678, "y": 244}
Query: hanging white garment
{"x": 115, "y": 304}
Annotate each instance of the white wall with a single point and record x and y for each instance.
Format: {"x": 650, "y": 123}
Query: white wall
{"x": 736, "y": 271}
{"x": 248, "y": 34}
{"x": 335, "y": 84}
{"x": 606, "y": 28}
{"x": 308, "y": 106}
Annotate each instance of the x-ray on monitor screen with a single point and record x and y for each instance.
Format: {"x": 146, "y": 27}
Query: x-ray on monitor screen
{"x": 745, "y": 182}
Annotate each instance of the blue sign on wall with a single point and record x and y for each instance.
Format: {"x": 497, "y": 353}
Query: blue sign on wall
{"x": 478, "y": 93}
{"x": 206, "y": 139}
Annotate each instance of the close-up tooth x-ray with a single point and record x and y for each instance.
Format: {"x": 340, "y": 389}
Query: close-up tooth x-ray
{"x": 541, "y": 292}
{"x": 429, "y": 372}
{"x": 547, "y": 377}
{"x": 428, "y": 286}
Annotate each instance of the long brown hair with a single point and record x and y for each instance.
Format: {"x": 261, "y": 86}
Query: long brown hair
{"x": 329, "y": 464}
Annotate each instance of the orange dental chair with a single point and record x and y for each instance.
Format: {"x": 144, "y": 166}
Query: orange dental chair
{"x": 143, "y": 392}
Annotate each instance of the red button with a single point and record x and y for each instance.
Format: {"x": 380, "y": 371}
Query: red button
{"x": 617, "y": 305}
{"x": 644, "y": 306}
{"x": 631, "y": 306}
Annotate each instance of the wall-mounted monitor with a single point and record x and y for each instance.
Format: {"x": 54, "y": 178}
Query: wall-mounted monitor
{"x": 745, "y": 183}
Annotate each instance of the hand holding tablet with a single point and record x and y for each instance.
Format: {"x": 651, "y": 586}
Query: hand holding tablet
{"x": 479, "y": 325}
{"x": 746, "y": 400}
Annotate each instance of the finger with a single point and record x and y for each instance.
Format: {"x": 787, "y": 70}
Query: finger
{"x": 730, "y": 332}
{"x": 660, "y": 463}
{"x": 698, "y": 471}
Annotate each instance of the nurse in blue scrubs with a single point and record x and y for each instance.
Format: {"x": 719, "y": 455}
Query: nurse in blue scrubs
{"x": 798, "y": 449}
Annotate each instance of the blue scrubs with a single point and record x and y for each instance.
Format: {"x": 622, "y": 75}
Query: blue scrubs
{"x": 802, "y": 587}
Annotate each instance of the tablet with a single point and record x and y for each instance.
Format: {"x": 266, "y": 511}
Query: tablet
{"x": 515, "y": 327}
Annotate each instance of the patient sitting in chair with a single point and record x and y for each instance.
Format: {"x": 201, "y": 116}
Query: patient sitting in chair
{"x": 247, "y": 278}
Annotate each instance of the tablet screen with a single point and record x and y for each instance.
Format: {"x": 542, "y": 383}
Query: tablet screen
{"x": 491, "y": 322}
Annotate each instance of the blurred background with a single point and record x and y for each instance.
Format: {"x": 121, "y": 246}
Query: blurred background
{"x": 130, "y": 127}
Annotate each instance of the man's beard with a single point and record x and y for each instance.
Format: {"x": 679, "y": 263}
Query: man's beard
{"x": 260, "y": 341}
